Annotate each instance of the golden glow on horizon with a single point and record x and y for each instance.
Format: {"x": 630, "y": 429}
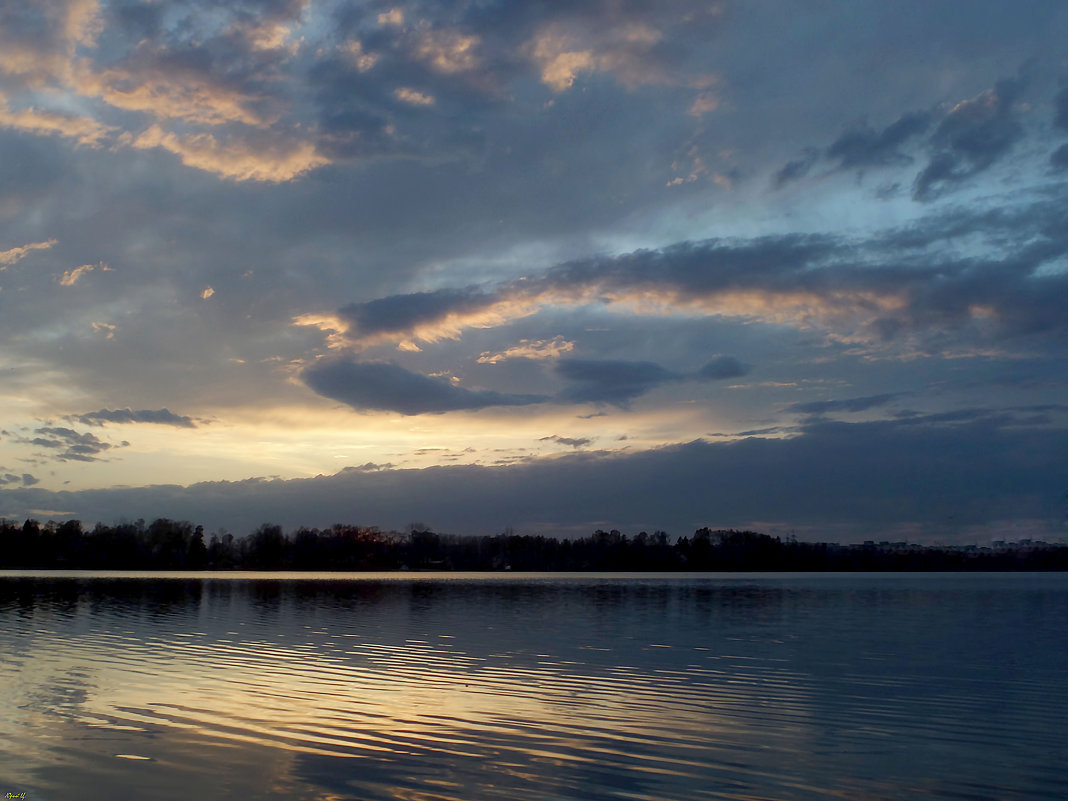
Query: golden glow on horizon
{"x": 292, "y": 442}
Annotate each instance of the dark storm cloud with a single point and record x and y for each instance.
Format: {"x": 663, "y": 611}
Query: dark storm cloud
{"x": 381, "y": 386}
{"x": 845, "y": 405}
{"x": 835, "y": 481}
{"x": 159, "y": 416}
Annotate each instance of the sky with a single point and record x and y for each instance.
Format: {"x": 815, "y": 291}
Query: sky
{"x": 547, "y": 267}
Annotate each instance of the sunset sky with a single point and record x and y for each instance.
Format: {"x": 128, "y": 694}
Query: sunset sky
{"x": 548, "y": 266}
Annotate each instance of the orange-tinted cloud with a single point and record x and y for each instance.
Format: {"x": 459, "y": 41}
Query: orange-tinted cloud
{"x": 539, "y": 349}
{"x": 448, "y": 51}
{"x": 84, "y": 130}
{"x": 14, "y": 255}
{"x": 166, "y": 95}
{"x": 70, "y": 277}
{"x": 237, "y": 159}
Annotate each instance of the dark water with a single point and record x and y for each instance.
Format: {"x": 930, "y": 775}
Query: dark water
{"x": 425, "y": 687}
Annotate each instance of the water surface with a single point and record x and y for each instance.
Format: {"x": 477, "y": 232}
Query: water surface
{"x": 453, "y": 686}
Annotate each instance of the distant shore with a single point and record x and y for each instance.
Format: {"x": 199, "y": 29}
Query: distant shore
{"x": 180, "y": 545}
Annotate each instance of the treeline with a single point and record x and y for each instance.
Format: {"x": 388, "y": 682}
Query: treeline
{"x": 180, "y": 545}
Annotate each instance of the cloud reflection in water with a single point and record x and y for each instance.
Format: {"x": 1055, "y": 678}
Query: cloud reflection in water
{"x": 558, "y": 687}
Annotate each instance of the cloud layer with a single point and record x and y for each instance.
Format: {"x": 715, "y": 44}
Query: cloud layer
{"x": 890, "y": 479}
{"x": 562, "y": 237}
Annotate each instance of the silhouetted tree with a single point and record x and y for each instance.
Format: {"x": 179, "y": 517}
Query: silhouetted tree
{"x": 266, "y": 548}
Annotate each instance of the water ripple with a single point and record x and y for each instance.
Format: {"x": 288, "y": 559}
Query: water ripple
{"x": 467, "y": 690}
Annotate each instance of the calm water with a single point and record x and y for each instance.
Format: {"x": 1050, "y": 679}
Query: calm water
{"x": 424, "y": 686}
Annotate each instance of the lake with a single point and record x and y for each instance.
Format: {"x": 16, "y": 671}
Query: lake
{"x": 433, "y": 687}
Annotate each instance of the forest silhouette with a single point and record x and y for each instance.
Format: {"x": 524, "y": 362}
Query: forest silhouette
{"x": 180, "y": 545}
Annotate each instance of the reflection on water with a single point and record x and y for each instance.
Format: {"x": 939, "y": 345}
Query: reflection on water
{"x": 551, "y": 687}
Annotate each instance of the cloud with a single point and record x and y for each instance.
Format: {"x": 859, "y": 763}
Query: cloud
{"x": 1059, "y": 158}
{"x": 625, "y": 48}
{"x": 84, "y": 130}
{"x": 70, "y": 277}
{"x": 13, "y": 479}
{"x": 413, "y": 97}
{"x": 107, "y": 329}
{"x": 845, "y": 405}
{"x": 360, "y": 58}
{"x": 270, "y": 141}
{"x": 606, "y": 381}
{"x": 395, "y": 16}
{"x": 958, "y": 482}
{"x": 704, "y": 103}
{"x": 1060, "y": 116}
{"x": 235, "y": 158}
{"x": 619, "y": 382}
{"x": 427, "y": 316}
{"x": 448, "y": 51}
{"x": 699, "y": 278}
{"x": 971, "y": 137}
{"x": 796, "y": 169}
{"x": 539, "y": 349}
{"x": 158, "y": 416}
{"x": 170, "y": 91}
{"x": 212, "y": 90}
{"x": 15, "y": 255}
{"x": 723, "y": 367}
{"x": 862, "y": 146}
{"x": 377, "y": 386}
{"x": 68, "y": 445}
{"x": 908, "y": 288}
{"x": 571, "y": 442}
